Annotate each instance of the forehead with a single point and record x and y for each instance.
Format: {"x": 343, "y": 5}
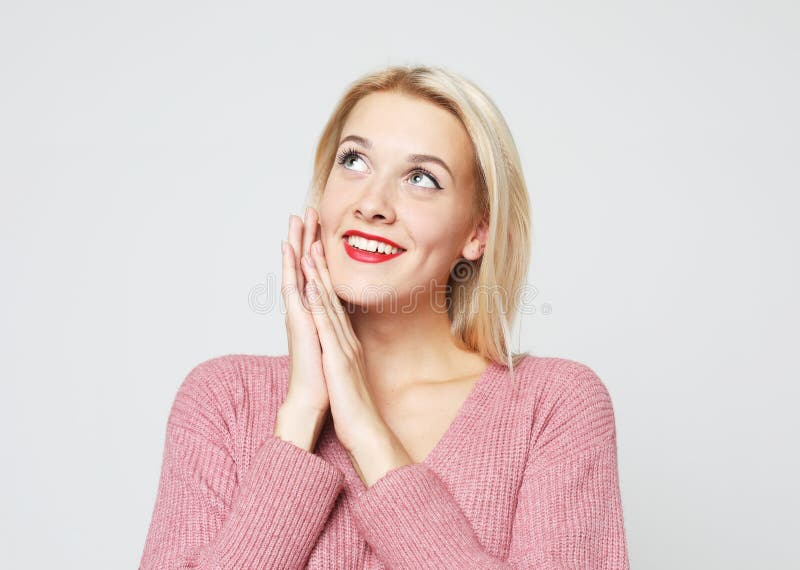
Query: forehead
{"x": 406, "y": 124}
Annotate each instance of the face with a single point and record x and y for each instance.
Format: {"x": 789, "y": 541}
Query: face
{"x": 423, "y": 204}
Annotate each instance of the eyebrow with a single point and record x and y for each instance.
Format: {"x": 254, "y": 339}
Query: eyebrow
{"x": 415, "y": 158}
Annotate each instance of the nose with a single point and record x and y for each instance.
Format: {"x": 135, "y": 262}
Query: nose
{"x": 375, "y": 203}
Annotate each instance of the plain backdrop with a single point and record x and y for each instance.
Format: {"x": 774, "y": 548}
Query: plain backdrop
{"x": 151, "y": 153}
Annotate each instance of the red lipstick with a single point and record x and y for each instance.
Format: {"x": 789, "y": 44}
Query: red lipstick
{"x": 370, "y": 236}
{"x": 368, "y": 256}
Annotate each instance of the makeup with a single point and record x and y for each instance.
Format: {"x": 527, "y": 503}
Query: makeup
{"x": 369, "y": 256}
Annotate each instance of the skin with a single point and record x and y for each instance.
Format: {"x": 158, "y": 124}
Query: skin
{"x": 367, "y": 373}
{"x": 380, "y": 195}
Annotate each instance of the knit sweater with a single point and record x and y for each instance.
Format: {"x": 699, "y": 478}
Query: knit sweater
{"x": 524, "y": 477}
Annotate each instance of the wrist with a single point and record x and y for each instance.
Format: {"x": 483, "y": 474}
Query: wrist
{"x": 299, "y": 425}
{"x": 376, "y": 455}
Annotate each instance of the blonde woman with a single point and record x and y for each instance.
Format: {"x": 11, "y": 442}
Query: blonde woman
{"x": 400, "y": 430}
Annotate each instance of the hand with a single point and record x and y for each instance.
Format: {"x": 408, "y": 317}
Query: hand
{"x": 372, "y": 445}
{"x": 307, "y": 387}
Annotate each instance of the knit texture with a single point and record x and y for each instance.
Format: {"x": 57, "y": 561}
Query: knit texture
{"x": 524, "y": 477}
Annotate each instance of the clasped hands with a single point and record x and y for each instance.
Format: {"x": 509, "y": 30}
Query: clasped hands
{"x": 328, "y": 367}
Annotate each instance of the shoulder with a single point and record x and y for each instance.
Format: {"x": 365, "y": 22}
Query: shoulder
{"x": 227, "y": 379}
{"x": 572, "y": 407}
{"x": 559, "y": 378}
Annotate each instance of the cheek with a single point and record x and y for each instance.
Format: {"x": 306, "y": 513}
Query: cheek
{"x": 334, "y": 193}
{"x": 331, "y": 211}
{"x": 327, "y": 202}
{"x": 432, "y": 226}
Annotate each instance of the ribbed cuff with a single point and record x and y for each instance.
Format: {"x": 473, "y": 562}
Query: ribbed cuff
{"x": 284, "y": 502}
{"x": 410, "y": 519}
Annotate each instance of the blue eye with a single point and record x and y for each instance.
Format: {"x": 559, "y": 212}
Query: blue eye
{"x": 429, "y": 176}
{"x": 343, "y": 158}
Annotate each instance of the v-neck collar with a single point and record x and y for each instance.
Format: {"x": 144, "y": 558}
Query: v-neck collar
{"x": 454, "y": 436}
{"x": 465, "y": 418}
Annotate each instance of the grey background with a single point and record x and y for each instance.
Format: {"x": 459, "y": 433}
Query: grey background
{"x": 152, "y": 152}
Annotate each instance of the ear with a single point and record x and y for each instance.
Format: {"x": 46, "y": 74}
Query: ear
{"x": 476, "y": 243}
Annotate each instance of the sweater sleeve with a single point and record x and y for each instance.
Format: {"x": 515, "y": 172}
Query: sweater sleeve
{"x": 568, "y": 513}
{"x": 210, "y": 515}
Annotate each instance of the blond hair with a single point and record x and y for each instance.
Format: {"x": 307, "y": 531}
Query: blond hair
{"x": 480, "y": 324}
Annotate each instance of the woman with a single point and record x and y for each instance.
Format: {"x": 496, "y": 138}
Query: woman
{"x": 400, "y": 431}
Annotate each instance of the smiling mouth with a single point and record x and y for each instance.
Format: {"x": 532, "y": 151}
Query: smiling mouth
{"x": 367, "y": 256}
{"x": 368, "y": 245}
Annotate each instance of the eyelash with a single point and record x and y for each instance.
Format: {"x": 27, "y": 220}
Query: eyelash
{"x": 348, "y": 152}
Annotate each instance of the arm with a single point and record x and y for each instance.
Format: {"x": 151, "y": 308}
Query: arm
{"x": 568, "y": 514}
{"x": 210, "y": 515}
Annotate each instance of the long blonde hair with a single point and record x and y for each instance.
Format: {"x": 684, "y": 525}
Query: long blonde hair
{"x": 480, "y": 324}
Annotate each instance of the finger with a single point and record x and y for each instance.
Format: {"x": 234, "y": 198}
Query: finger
{"x": 296, "y": 240}
{"x": 289, "y": 290}
{"x": 309, "y": 229}
{"x": 317, "y": 226}
{"x": 321, "y": 264}
{"x": 322, "y": 304}
{"x": 326, "y": 329}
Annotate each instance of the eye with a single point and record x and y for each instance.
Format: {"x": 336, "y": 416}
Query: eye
{"x": 344, "y": 157}
{"x": 421, "y": 172}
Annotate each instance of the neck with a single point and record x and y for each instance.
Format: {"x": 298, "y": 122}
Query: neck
{"x": 406, "y": 348}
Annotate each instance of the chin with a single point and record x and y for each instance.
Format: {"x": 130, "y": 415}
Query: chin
{"x": 368, "y": 296}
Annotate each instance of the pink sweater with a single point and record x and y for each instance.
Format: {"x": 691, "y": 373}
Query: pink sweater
{"x": 523, "y": 478}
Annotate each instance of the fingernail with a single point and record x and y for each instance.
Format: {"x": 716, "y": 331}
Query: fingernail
{"x": 283, "y": 247}
{"x": 308, "y": 260}
{"x": 317, "y": 247}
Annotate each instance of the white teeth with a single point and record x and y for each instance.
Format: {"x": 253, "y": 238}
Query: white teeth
{"x": 371, "y": 245}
